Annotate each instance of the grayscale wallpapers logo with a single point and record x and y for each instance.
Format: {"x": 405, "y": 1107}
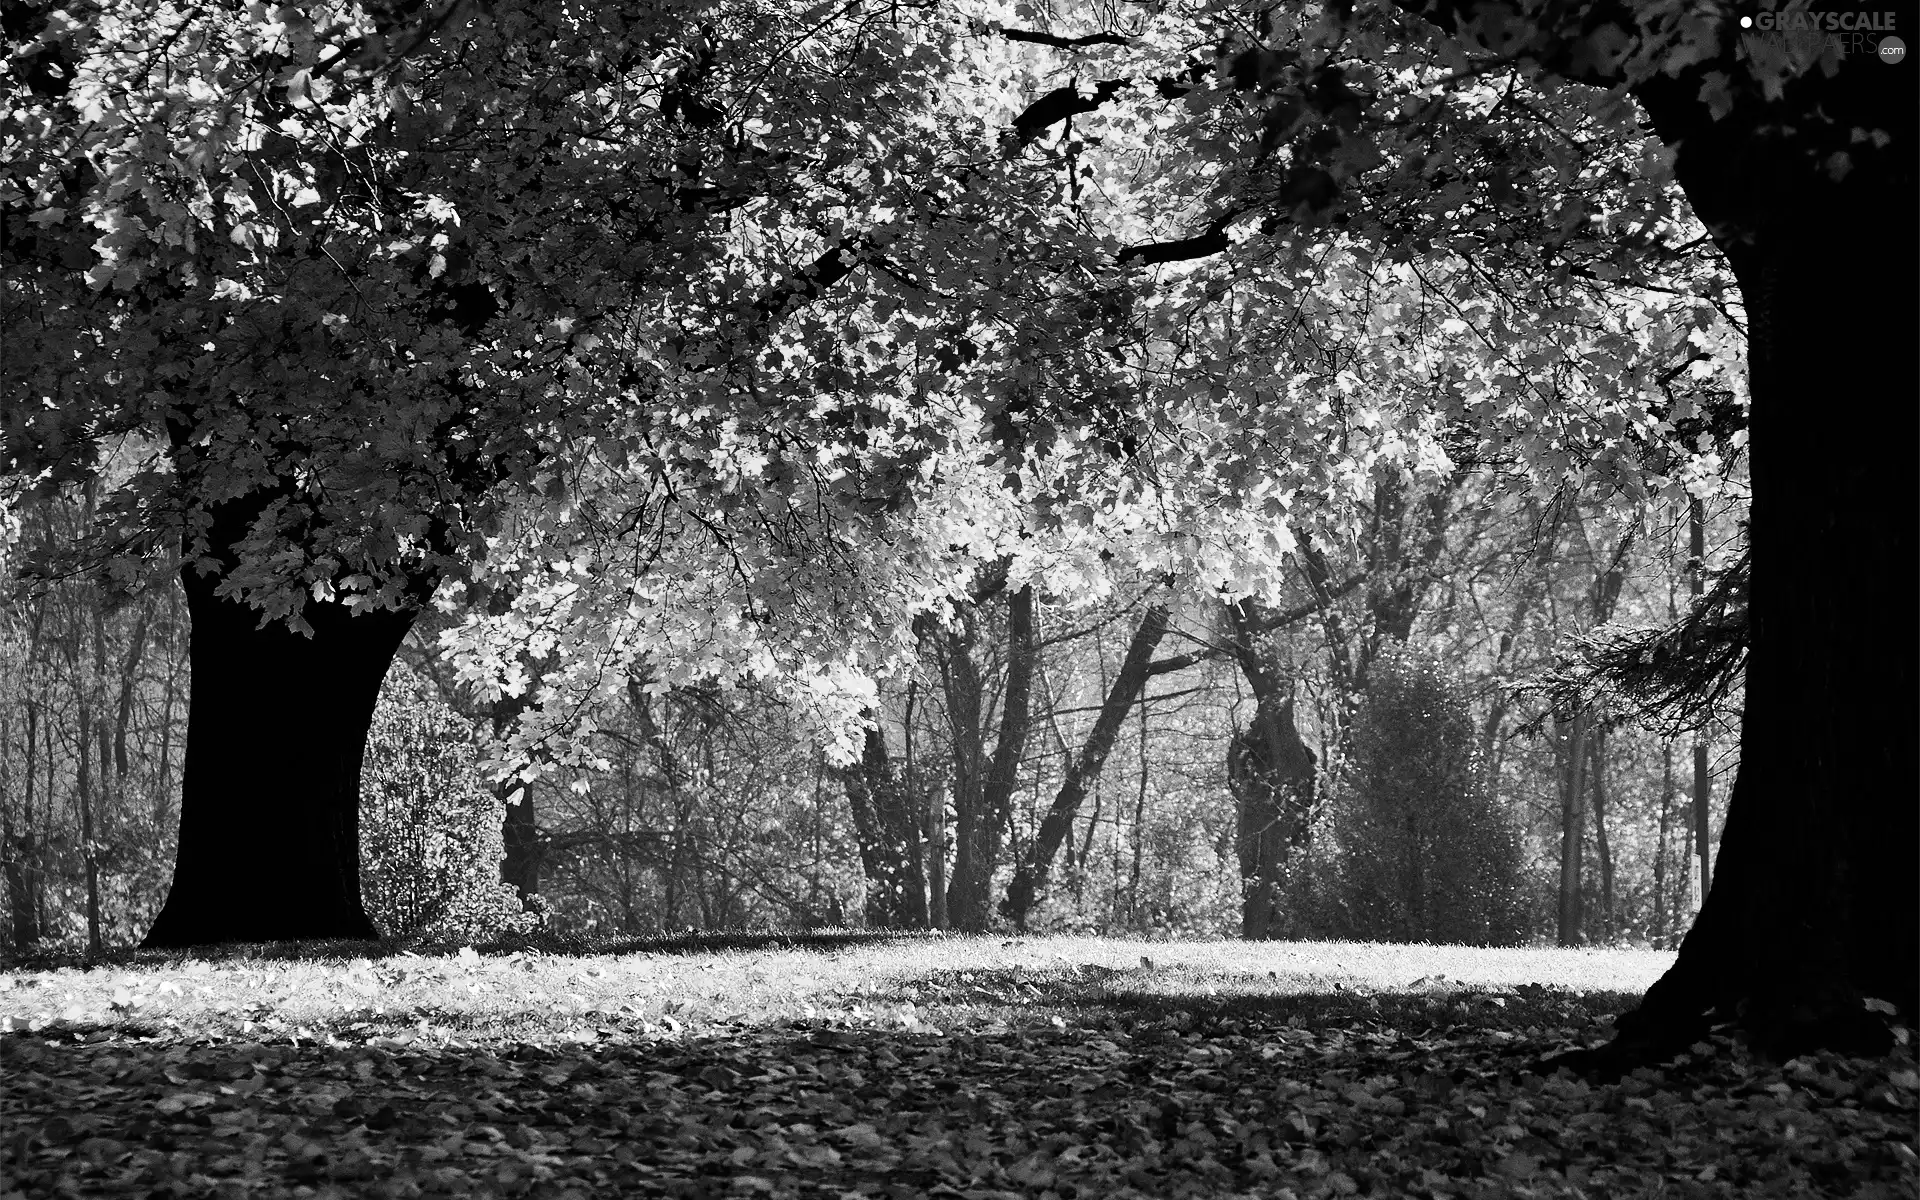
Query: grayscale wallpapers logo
{"x": 1845, "y": 33}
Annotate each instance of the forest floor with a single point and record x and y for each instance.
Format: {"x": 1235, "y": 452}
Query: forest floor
{"x": 853, "y": 1066}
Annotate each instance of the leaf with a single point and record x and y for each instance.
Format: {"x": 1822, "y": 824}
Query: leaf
{"x": 183, "y": 1101}
{"x": 1716, "y": 94}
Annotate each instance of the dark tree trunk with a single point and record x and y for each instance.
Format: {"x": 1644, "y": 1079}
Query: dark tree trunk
{"x": 936, "y": 837}
{"x": 1702, "y": 812}
{"x": 1815, "y": 898}
{"x": 83, "y": 787}
{"x": 966, "y": 708}
{"x": 1573, "y": 822}
{"x": 520, "y": 845}
{"x": 1602, "y": 848}
{"x": 1658, "y": 933}
{"x": 1271, "y": 773}
{"x": 270, "y": 794}
{"x": 519, "y": 841}
{"x": 22, "y": 901}
{"x": 1030, "y": 876}
{"x": 988, "y": 793}
{"x": 22, "y": 850}
{"x": 886, "y": 821}
{"x": 1814, "y": 902}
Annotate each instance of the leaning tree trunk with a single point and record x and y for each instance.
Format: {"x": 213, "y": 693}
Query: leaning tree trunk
{"x": 1814, "y": 902}
{"x": 1032, "y": 872}
{"x": 270, "y": 795}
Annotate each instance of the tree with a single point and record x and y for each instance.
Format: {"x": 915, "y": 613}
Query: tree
{"x": 1032, "y": 872}
{"x": 1362, "y": 127}
{"x": 1426, "y": 854}
{"x": 888, "y": 819}
{"x": 453, "y": 355}
{"x": 1275, "y": 778}
{"x": 1781, "y": 145}
{"x": 365, "y": 333}
{"x": 984, "y": 781}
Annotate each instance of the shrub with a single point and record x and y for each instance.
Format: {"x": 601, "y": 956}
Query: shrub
{"x": 1423, "y": 851}
{"x": 430, "y": 827}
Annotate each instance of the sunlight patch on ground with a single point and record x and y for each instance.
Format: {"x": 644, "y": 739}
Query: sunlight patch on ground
{"x": 915, "y": 982}
{"x": 1303, "y": 966}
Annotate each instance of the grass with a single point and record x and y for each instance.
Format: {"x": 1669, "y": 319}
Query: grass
{"x": 357, "y": 991}
{"x": 851, "y": 1065}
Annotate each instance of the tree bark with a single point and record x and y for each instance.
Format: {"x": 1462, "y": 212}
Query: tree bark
{"x": 270, "y": 792}
{"x": 1602, "y": 848}
{"x": 989, "y": 792}
{"x": 937, "y": 859}
{"x": 1658, "y": 934}
{"x": 1702, "y": 777}
{"x": 1815, "y": 900}
{"x": 84, "y": 792}
{"x": 22, "y": 849}
{"x": 1030, "y": 876}
{"x": 1573, "y": 795}
{"x": 1573, "y": 830}
{"x": 886, "y": 823}
{"x": 1271, "y": 773}
{"x": 520, "y": 846}
{"x": 1815, "y": 896}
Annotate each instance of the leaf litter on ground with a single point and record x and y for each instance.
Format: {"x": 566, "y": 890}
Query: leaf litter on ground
{"x": 894, "y": 1067}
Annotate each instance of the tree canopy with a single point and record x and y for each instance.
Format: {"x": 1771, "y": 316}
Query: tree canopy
{"x": 740, "y": 327}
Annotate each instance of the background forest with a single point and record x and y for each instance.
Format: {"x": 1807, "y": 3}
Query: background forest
{"x": 1382, "y": 759}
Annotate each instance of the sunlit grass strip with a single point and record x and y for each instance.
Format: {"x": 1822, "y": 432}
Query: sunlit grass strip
{"x": 921, "y": 981}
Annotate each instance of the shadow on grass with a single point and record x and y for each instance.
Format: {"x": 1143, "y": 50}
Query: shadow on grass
{"x": 692, "y": 942}
{"x": 1202, "y": 1005}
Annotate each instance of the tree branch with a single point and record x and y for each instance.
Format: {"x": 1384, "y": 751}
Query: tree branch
{"x": 806, "y": 286}
{"x": 1061, "y": 104}
{"x": 1066, "y": 43}
{"x": 1212, "y": 242}
{"x": 1267, "y": 623}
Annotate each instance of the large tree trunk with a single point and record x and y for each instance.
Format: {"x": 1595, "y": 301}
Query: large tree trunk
{"x": 1814, "y": 902}
{"x": 270, "y": 794}
{"x": 1271, "y": 773}
{"x": 1030, "y": 876}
